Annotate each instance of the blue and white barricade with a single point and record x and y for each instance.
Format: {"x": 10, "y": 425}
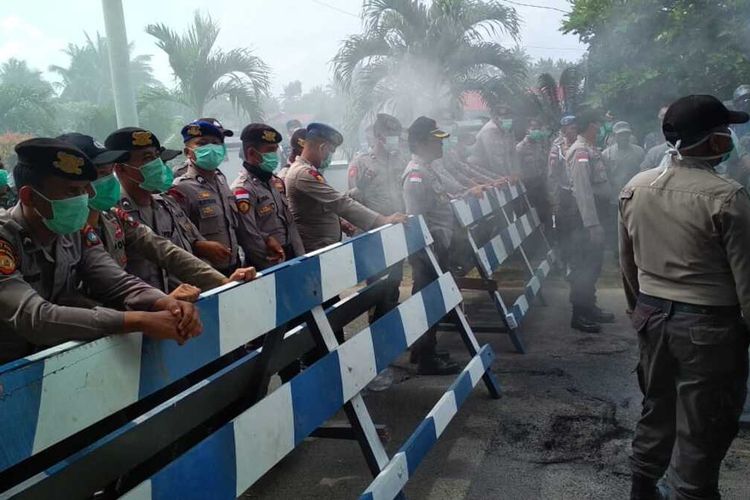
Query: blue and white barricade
{"x": 128, "y": 416}
{"x": 510, "y": 232}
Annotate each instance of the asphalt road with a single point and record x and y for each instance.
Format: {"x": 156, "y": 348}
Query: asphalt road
{"x": 561, "y": 430}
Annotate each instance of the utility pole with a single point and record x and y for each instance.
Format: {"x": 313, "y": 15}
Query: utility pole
{"x": 119, "y": 63}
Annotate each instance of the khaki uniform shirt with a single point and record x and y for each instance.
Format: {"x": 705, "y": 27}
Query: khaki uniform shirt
{"x": 317, "y": 207}
{"x": 121, "y": 234}
{"x": 211, "y": 207}
{"x": 425, "y": 194}
{"x": 622, "y": 164}
{"x": 264, "y": 211}
{"x": 165, "y": 217}
{"x": 685, "y": 236}
{"x": 496, "y": 150}
{"x": 376, "y": 182}
{"x": 39, "y": 285}
{"x": 532, "y": 157}
{"x": 557, "y": 176}
{"x": 588, "y": 179}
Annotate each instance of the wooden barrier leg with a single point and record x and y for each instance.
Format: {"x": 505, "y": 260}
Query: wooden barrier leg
{"x": 355, "y": 409}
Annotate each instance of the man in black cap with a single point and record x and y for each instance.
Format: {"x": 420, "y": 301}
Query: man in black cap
{"x": 44, "y": 261}
{"x": 317, "y": 206}
{"x": 583, "y": 214}
{"x": 684, "y": 240}
{"x": 203, "y": 192}
{"x": 143, "y": 176}
{"x": 122, "y": 235}
{"x": 267, "y": 232}
{"x": 425, "y": 194}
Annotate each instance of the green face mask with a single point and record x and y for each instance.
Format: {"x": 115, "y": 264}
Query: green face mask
{"x": 269, "y": 162}
{"x": 107, "y": 193}
{"x": 167, "y": 177}
{"x": 537, "y": 135}
{"x": 155, "y": 176}
{"x": 210, "y": 156}
{"x": 68, "y": 215}
{"x": 3, "y": 178}
{"x": 506, "y": 124}
{"x": 325, "y": 163}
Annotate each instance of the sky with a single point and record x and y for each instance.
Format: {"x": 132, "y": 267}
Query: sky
{"x": 296, "y": 38}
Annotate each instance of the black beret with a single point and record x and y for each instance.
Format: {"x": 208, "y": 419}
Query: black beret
{"x": 55, "y": 157}
{"x": 134, "y": 138}
{"x": 260, "y": 133}
{"x": 325, "y": 133}
{"x": 95, "y": 150}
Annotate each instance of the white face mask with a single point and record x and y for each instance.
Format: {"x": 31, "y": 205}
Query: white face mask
{"x": 392, "y": 141}
{"x": 724, "y": 156}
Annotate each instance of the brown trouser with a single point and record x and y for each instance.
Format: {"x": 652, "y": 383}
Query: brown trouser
{"x": 692, "y": 372}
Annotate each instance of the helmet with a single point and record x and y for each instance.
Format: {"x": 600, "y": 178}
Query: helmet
{"x": 741, "y": 93}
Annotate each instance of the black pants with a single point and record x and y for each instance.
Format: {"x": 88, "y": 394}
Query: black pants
{"x": 390, "y": 293}
{"x": 423, "y": 274}
{"x": 692, "y": 373}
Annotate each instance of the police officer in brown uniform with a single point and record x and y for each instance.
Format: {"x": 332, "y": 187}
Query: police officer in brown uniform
{"x": 684, "y": 240}
{"x": 495, "y": 149}
{"x": 119, "y": 232}
{"x": 203, "y": 192}
{"x": 143, "y": 176}
{"x": 582, "y": 216}
{"x": 296, "y": 143}
{"x": 315, "y": 205}
{"x": 180, "y": 170}
{"x": 267, "y": 232}
{"x": 44, "y": 262}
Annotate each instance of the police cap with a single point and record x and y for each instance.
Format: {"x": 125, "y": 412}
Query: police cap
{"x": 425, "y": 128}
{"x": 95, "y": 150}
{"x": 134, "y": 138}
{"x": 386, "y": 124}
{"x": 216, "y": 123}
{"x": 260, "y": 133}
{"x": 298, "y": 140}
{"x": 323, "y": 132}
{"x": 689, "y": 118}
{"x": 200, "y": 128}
{"x": 55, "y": 157}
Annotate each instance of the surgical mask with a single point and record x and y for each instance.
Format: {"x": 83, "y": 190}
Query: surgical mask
{"x": 325, "y": 163}
{"x": 537, "y": 135}
{"x": 68, "y": 215}
{"x": 3, "y": 178}
{"x": 106, "y": 193}
{"x": 269, "y": 162}
{"x": 167, "y": 178}
{"x": 506, "y": 124}
{"x": 723, "y": 156}
{"x": 607, "y": 127}
{"x": 392, "y": 141}
{"x": 210, "y": 156}
{"x": 154, "y": 175}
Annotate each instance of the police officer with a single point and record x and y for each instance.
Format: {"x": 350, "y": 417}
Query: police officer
{"x": 43, "y": 262}
{"x": 121, "y": 234}
{"x": 203, "y": 193}
{"x": 267, "y": 232}
{"x": 424, "y": 194}
{"x": 496, "y": 143}
{"x": 315, "y": 205}
{"x": 684, "y": 239}
{"x": 623, "y": 158}
{"x": 296, "y": 143}
{"x": 583, "y": 217}
{"x": 7, "y": 195}
{"x": 143, "y": 176}
{"x": 181, "y": 169}
{"x": 532, "y": 153}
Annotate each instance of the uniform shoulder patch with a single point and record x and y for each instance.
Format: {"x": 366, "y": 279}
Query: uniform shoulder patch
{"x": 177, "y": 195}
{"x": 414, "y": 177}
{"x": 581, "y": 156}
{"x": 242, "y": 197}
{"x": 353, "y": 170}
{"x": 90, "y": 236}
{"x": 279, "y": 185}
{"x": 125, "y": 217}
{"x": 315, "y": 175}
{"x": 8, "y": 258}
{"x": 626, "y": 193}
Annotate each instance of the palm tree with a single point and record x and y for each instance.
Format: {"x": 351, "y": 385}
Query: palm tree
{"x": 204, "y": 73}
{"x": 88, "y": 77}
{"x": 413, "y": 58}
{"x": 555, "y": 99}
{"x": 26, "y": 99}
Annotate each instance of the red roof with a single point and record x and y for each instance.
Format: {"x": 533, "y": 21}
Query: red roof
{"x": 473, "y": 102}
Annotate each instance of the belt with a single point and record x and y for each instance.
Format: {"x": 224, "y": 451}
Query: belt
{"x": 689, "y": 308}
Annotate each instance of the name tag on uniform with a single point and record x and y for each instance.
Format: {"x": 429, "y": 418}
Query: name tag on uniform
{"x": 208, "y": 211}
{"x": 210, "y": 201}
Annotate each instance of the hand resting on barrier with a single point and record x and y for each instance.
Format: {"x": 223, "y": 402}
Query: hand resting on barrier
{"x": 184, "y": 313}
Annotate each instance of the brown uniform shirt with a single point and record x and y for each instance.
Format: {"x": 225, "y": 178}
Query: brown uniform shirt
{"x": 588, "y": 178}
{"x": 211, "y": 207}
{"x": 165, "y": 217}
{"x": 264, "y": 211}
{"x": 495, "y": 150}
{"x": 38, "y": 285}
{"x": 685, "y": 236}
{"x": 376, "y": 182}
{"x": 121, "y": 234}
{"x": 317, "y": 207}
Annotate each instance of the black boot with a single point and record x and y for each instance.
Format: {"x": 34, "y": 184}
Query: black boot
{"x": 600, "y": 315}
{"x": 434, "y": 365}
{"x": 414, "y": 357}
{"x": 584, "y": 324}
{"x": 643, "y": 488}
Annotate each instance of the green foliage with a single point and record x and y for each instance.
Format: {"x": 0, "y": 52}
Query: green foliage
{"x": 414, "y": 58}
{"x": 205, "y": 73}
{"x": 26, "y": 99}
{"x": 646, "y": 53}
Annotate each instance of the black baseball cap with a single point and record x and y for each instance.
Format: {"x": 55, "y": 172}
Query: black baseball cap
{"x": 95, "y": 150}
{"x": 690, "y": 118}
{"x": 134, "y": 138}
{"x": 55, "y": 157}
{"x": 424, "y": 128}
